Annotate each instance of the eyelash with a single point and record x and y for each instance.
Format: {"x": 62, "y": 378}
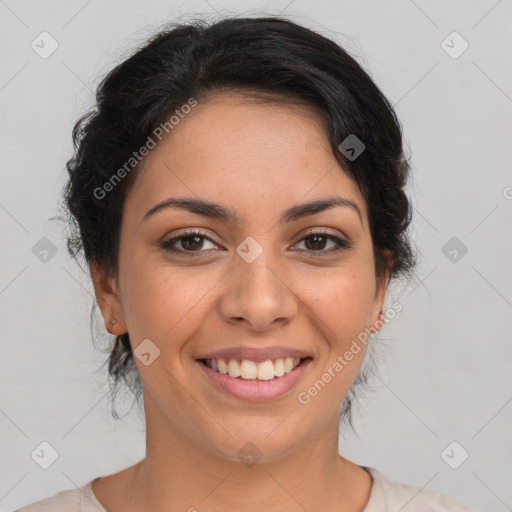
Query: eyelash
{"x": 167, "y": 244}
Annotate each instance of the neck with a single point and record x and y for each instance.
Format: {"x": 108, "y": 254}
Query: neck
{"x": 179, "y": 474}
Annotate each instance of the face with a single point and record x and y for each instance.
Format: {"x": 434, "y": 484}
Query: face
{"x": 306, "y": 282}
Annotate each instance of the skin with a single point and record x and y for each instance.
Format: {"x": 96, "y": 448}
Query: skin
{"x": 258, "y": 159}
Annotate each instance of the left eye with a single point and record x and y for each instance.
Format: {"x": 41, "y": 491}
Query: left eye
{"x": 321, "y": 239}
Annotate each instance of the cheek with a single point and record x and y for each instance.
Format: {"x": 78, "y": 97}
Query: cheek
{"x": 341, "y": 312}
{"x": 165, "y": 307}
{"x": 342, "y": 301}
{"x": 164, "y": 303}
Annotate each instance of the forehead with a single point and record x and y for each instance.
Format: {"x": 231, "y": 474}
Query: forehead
{"x": 240, "y": 151}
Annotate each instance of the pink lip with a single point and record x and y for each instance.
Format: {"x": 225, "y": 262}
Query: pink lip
{"x": 256, "y": 354}
{"x": 256, "y": 390}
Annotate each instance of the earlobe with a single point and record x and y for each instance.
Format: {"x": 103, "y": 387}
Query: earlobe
{"x": 108, "y": 300}
{"x": 380, "y": 297}
{"x": 378, "y": 324}
{"x": 118, "y": 327}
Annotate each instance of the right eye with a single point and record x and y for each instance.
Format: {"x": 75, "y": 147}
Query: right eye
{"x": 191, "y": 242}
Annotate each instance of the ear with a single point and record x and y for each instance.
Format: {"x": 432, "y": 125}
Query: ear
{"x": 377, "y": 315}
{"x": 108, "y": 297}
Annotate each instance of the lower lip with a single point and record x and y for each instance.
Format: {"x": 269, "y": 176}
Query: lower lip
{"x": 256, "y": 390}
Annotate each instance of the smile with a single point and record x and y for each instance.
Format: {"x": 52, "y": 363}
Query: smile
{"x": 250, "y": 380}
{"x": 247, "y": 369}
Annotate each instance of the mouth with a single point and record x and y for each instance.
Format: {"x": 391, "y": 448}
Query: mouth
{"x": 249, "y": 380}
{"x": 244, "y": 369}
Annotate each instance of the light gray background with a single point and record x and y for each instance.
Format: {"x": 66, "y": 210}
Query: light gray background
{"x": 446, "y": 374}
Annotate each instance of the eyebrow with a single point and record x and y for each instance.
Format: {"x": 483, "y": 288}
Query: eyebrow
{"x": 217, "y": 211}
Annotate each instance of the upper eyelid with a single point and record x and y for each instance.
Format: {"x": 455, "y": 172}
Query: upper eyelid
{"x": 191, "y": 232}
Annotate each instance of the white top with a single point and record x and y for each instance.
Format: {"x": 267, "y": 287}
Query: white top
{"x": 385, "y": 496}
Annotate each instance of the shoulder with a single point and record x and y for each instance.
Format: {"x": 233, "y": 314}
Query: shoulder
{"x": 390, "y": 496}
{"x": 73, "y": 500}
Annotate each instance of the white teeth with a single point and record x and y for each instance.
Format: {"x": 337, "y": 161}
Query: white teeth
{"x": 234, "y": 368}
{"x": 223, "y": 367}
{"x": 247, "y": 369}
{"x": 266, "y": 370}
{"x": 279, "y": 367}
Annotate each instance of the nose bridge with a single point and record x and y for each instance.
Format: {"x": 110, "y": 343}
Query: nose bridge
{"x": 257, "y": 266}
{"x": 257, "y": 289}
{"x": 263, "y": 273}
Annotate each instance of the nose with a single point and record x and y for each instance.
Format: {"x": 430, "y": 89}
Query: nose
{"x": 258, "y": 293}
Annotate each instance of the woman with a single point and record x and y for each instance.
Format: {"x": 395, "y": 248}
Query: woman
{"x": 239, "y": 198}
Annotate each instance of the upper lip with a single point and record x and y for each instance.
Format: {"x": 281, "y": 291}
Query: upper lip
{"x": 257, "y": 354}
